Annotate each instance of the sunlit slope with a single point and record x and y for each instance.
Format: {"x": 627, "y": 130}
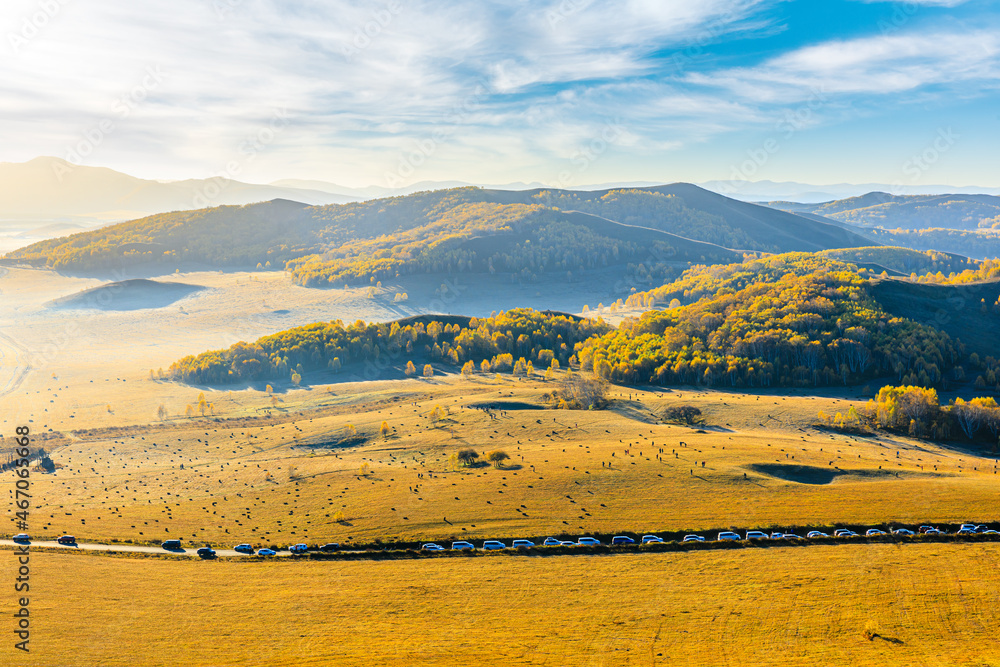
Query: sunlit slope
{"x": 429, "y": 232}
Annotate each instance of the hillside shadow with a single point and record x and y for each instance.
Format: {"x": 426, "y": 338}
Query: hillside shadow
{"x": 796, "y": 473}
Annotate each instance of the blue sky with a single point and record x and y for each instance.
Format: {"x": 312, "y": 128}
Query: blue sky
{"x": 563, "y": 92}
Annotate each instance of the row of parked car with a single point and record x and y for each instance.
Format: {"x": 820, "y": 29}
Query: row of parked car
{"x": 208, "y": 552}
{"x": 965, "y": 529}
{"x": 726, "y": 535}
{"x": 552, "y": 542}
{"x": 489, "y": 545}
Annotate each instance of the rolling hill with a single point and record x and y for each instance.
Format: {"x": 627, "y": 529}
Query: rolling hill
{"x": 880, "y": 209}
{"x": 520, "y": 233}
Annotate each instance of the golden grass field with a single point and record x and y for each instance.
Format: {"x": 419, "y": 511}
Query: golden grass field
{"x": 254, "y": 479}
{"x": 252, "y": 474}
{"x": 934, "y": 604}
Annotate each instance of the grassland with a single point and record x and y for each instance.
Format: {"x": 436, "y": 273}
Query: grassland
{"x": 928, "y": 604}
{"x": 289, "y": 473}
{"x": 277, "y": 470}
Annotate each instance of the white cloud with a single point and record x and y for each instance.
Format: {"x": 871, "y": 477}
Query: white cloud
{"x": 872, "y": 65}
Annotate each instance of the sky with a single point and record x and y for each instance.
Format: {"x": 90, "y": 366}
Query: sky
{"x": 559, "y": 92}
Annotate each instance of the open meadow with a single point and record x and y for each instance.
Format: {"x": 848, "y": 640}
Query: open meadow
{"x": 932, "y": 604}
{"x": 314, "y": 463}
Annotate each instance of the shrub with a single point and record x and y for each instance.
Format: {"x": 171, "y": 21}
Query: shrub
{"x": 683, "y": 414}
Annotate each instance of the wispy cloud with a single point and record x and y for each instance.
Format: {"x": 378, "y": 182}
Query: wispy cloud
{"x": 509, "y": 84}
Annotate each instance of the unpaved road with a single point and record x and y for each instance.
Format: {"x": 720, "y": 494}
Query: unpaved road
{"x": 187, "y": 551}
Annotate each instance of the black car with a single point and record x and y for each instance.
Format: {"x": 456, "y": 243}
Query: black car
{"x": 66, "y": 539}
{"x": 171, "y": 544}
{"x": 206, "y": 552}
{"x": 332, "y": 546}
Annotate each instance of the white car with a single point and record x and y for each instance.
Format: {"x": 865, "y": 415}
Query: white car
{"x": 756, "y": 535}
{"x": 651, "y": 539}
{"x": 588, "y": 542}
{"x": 728, "y": 535}
{"x": 695, "y": 538}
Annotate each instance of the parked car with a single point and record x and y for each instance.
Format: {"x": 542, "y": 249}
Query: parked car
{"x": 622, "y": 539}
{"x": 728, "y": 535}
{"x": 21, "y": 537}
{"x": 298, "y": 548}
{"x": 66, "y": 539}
{"x": 902, "y": 531}
{"x": 816, "y": 533}
{"x": 651, "y": 539}
{"x": 267, "y": 552}
{"x": 694, "y": 538}
{"x": 965, "y": 530}
{"x": 458, "y": 546}
{"x": 243, "y": 548}
{"x": 494, "y": 544}
{"x": 871, "y": 532}
{"x": 790, "y": 536}
{"x": 522, "y": 544}
{"x": 206, "y": 552}
{"x": 551, "y": 542}
{"x": 431, "y": 546}
{"x": 171, "y": 544}
{"x": 330, "y": 546}
{"x": 568, "y": 543}
{"x": 967, "y": 526}
{"x": 756, "y": 535}
{"x": 924, "y": 529}
{"x": 935, "y": 531}
{"x": 982, "y": 528}
{"x": 844, "y": 532}
{"x": 588, "y": 542}
{"x": 777, "y": 536}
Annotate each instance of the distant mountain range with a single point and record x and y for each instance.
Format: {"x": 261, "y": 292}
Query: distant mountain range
{"x": 769, "y": 191}
{"x": 522, "y": 234}
{"x": 48, "y": 189}
{"x": 880, "y": 209}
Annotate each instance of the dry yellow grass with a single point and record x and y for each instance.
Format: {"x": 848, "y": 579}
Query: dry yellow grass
{"x": 570, "y": 471}
{"x": 929, "y": 605}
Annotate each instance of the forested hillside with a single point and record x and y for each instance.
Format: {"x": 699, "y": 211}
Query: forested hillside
{"x": 504, "y": 342}
{"x": 905, "y": 261}
{"x": 792, "y": 320}
{"x": 796, "y": 319}
{"x": 687, "y": 210}
{"x": 522, "y": 235}
{"x": 975, "y": 243}
{"x": 881, "y": 209}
